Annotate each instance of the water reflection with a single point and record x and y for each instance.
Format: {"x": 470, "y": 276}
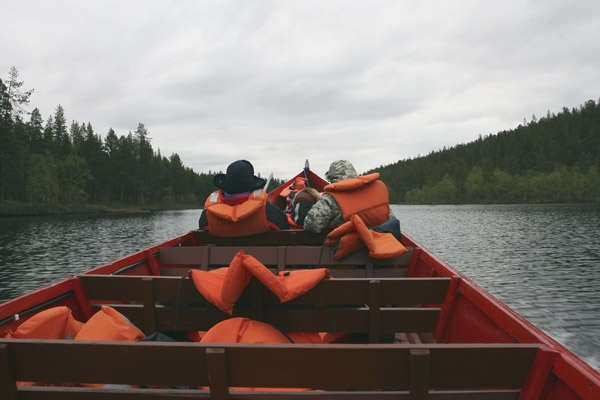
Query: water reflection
{"x": 35, "y": 251}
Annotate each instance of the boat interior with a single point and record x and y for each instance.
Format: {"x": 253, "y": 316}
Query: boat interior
{"x": 407, "y": 328}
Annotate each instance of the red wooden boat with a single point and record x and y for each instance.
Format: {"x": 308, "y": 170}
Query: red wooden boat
{"x": 415, "y": 328}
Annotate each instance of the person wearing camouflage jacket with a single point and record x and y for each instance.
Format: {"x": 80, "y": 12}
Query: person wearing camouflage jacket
{"x": 326, "y": 211}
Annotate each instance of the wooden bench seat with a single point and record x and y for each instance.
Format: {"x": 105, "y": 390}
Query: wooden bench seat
{"x": 393, "y": 371}
{"x": 286, "y": 237}
{"x": 278, "y": 258}
{"x": 357, "y": 305}
{"x": 330, "y": 371}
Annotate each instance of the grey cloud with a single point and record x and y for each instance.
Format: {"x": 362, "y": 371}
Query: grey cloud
{"x": 373, "y": 83}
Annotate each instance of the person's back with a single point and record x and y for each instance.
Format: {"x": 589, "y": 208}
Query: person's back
{"x": 240, "y": 205}
{"x": 347, "y": 195}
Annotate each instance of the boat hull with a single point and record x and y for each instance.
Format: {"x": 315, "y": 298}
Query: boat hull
{"x": 462, "y": 320}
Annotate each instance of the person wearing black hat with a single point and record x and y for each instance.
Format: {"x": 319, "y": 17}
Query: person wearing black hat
{"x": 223, "y": 214}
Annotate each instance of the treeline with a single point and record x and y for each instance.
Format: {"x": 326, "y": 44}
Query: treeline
{"x": 553, "y": 159}
{"x": 550, "y": 160}
{"x": 54, "y": 163}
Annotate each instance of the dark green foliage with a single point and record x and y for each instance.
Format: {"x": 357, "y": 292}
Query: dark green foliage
{"x": 61, "y": 165}
{"x": 552, "y": 159}
{"x": 275, "y": 183}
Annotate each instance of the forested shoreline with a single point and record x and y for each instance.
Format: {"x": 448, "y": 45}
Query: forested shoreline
{"x": 554, "y": 159}
{"x": 54, "y": 167}
{"x": 65, "y": 167}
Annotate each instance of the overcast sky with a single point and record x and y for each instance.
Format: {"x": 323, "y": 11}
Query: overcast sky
{"x": 276, "y": 82}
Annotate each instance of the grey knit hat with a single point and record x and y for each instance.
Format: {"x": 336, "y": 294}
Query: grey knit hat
{"x": 340, "y": 170}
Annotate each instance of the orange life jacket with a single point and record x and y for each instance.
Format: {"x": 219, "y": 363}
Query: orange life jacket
{"x": 299, "y": 184}
{"x": 223, "y": 286}
{"x": 243, "y": 330}
{"x": 293, "y": 225}
{"x": 365, "y": 195}
{"x": 53, "y": 323}
{"x": 109, "y": 324}
{"x": 296, "y": 337}
{"x": 58, "y": 323}
{"x": 245, "y": 218}
{"x": 354, "y": 235}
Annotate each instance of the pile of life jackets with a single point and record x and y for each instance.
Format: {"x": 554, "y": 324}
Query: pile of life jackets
{"x": 223, "y": 286}
{"x": 383, "y": 241}
{"x": 59, "y": 323}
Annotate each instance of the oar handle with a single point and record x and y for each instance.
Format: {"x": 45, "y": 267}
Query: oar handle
{"x": 268, "y": 181}
{"x": 306, "y": 169}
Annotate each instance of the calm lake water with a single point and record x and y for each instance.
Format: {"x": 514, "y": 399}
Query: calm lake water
{"x": 542, "y": 261}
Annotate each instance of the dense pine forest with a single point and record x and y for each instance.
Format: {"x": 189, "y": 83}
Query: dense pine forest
{"x": 54, "y": 162}
{"x": 553, "y": 159}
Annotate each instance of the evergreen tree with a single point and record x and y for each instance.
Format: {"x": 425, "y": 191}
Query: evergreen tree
{"x": 76, "y": 133}
{"x": 92, "y": 151}
{"x": 36, "y": 132}
{"x": 42, "y": 182}
{"x": 48, "y": 135}
{"x": 14, "y": 158}
{"x": 16, "y": 96}
{"x": 73, "y": 177}
{"x": 144, "y": 168}
{"x": 14, "y": 149}
{"x": 177, "y": 176}
{"x": 60, "y": 134}
{"x": 5, "y": 105}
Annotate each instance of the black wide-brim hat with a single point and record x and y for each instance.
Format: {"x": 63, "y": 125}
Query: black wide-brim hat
{"x": 239, "y": 178}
